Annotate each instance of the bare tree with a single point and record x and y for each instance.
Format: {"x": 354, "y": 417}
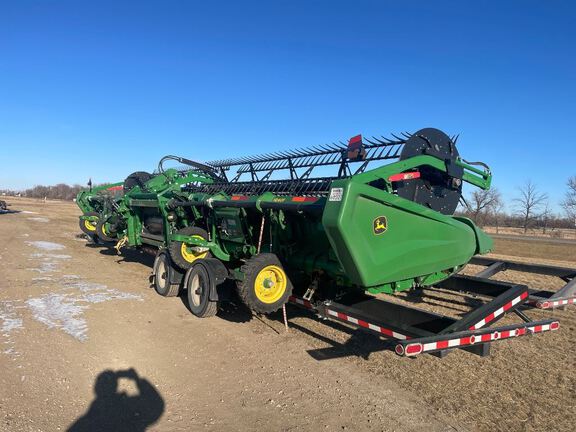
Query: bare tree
{"x": 546, "y": 216}
{"x": 569, "y": 203}
{"x": 498, "y": 212}
{"x": 529, "y": 203}
{"x": 483, "y": 203}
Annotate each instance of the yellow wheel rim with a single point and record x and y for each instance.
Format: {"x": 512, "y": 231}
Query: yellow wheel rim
{"x": 104, "y": 230}
{"x": 270, "y": 284}
{"x": 89, "y": 226}
{"x": 189, "y": 255}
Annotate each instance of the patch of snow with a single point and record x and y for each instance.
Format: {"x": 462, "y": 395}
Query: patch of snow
{"x": 45, "y": 245}
{"x": 109, "y": 294}
{"x": 60, "y": 311}
{"x": 39, "y": 219}
{"x": 49, "y": 256}
{"x": 9, "y": 322}
{"x": 46, "y": 267}
{"x": 65, "y": 311}
{"x": 82, "y": 285}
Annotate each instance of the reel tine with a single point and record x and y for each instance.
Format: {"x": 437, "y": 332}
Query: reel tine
{"x": 307, "y": 161}
{"x": 329, "y": 148}
{"x": 302, "y": 152}
{"x": 320, "y": 149}
{"x": 383, "y": 149}
{"x": 387, "y": 140}
{"x": 291, "y": 153}
{"x": 334, "y": 157}
{"x": 406, "y": 134}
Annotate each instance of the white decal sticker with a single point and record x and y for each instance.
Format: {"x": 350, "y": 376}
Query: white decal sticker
{"x": 336, "y": 194}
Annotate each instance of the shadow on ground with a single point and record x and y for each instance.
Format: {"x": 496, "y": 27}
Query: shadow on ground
{"x": 116, "y": 410}
{"x": 128, "y": 254}
{"x": 359, "y": 343}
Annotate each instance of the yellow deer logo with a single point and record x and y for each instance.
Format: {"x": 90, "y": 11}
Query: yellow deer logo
{"x": 380, "y": 225}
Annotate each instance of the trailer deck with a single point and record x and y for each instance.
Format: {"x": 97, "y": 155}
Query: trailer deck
{"x": 419, "y": 331}
{"x": 541, "y": 299}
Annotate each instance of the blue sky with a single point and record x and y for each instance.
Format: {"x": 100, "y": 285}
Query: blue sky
{"x": 101, "y": 89}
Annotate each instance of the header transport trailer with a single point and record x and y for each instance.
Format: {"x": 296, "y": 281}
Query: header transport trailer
{"x": 336, "y": 244}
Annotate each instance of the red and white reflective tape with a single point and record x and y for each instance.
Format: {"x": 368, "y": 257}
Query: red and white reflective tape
{"x": 418, "y": 348}
{"x": 301, "y": 302}
{"x": 361, "y": 323}
{"x": 404, "y": 176}
{"x": 499, "y": 311}
{"x": 547, "y": 304}
{"x": 544, "y": 327}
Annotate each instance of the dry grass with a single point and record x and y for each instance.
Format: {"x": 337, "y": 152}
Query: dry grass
{"x": 550, "y": 233}
{"x": 542, "y": 250}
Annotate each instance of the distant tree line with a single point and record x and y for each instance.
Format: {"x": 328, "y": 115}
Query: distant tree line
{"x": 60, "y": 191}
{"x": 530, "y": 208}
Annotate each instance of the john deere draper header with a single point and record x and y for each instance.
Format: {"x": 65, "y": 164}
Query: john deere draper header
{"x": 384, "y": 229}
{"x": 277, "y": 227}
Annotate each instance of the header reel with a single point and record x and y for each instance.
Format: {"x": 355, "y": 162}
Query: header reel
{"x": 428, "y": 186}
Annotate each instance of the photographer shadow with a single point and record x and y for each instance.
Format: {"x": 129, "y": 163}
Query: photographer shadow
{"x": 115, "y": 410}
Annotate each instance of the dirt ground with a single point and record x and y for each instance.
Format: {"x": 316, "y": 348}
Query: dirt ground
{"x": 85, "y": 344}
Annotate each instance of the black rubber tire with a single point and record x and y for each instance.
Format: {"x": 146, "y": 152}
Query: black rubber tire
{"x": 102, "y": 234}
{"x": 197, "y": 286}
{"x": 175, "y": 247}
{"x": 84, "y": 228}
{"x": 246, "y": 289}
{"x": 164, "y": 276}
{"x": 138, "y": 178}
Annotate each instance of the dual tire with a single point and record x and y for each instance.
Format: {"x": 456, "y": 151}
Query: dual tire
{"x": 264, "y": 289}
{"x": 168, "y": 282}
{"x": 167, "y": 279}
{"x": 97, "y": 226}
{"x": 103, "y": 231}
{"x": 183, "y": 255}
{"x": 198, "y": 283}
{"x": 88, "y": 227}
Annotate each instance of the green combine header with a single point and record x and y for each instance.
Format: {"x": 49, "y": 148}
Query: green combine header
{"x": 270, "y": 230}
